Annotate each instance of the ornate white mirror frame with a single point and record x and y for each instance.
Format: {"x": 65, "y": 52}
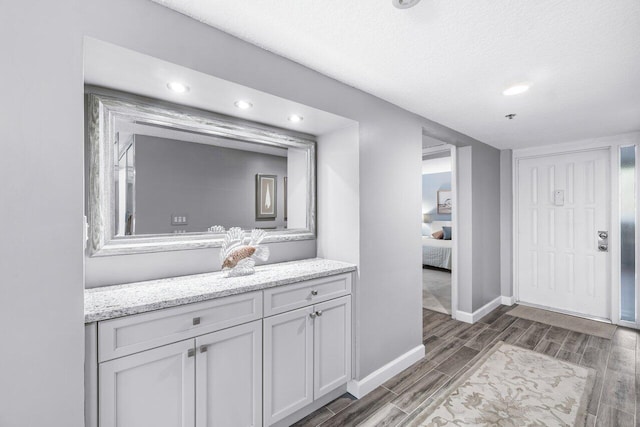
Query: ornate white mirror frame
{"x": 102, "y": 113}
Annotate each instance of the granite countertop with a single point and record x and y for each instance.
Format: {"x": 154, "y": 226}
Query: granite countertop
{"x": 109, "y": 302}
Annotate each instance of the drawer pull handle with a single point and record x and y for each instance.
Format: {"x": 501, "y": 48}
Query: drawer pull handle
{"x": 196, "y": 321}
{"x": 314, "y": 292}
{"x": 312, "y": 315}
{"x": 191, "y": 352}
{"x": 319, "y": 312}
{"x": 203, "y": 349}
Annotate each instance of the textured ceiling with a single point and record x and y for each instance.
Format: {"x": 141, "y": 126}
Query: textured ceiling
{"x": 449, "y": 61}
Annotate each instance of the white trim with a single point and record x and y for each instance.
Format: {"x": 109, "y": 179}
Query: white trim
{"x": 454, "y": 226}
{"x": 467, "y": 317}
{"x": 507, "y": 300}
{"x": 360, "y": 388}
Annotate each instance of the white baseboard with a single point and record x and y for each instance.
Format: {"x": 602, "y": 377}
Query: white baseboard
{"x": 360, "y": 388}
{"x": 508, "y": 300}
{"x": 467, "y": 317}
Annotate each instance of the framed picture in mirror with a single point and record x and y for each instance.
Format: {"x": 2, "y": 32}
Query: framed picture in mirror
{"x": 444, "y": 202}
{"x": 266, "y": 197}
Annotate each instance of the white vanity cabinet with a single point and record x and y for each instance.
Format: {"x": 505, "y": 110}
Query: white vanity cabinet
{"x": 246, "y": 360}
{"x": 307, "y": 353}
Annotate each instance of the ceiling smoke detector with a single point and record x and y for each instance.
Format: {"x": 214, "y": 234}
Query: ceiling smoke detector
{"x": 404, "y": 4}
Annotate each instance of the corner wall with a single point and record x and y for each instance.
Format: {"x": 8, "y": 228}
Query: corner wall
{"x": 506, "y": 223}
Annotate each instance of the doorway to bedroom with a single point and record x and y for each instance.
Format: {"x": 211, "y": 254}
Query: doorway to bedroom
{"x": 438, "y": 185}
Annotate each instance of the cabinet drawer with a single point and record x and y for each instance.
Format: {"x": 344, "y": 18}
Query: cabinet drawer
{"x": 290, "y": 297}
{"x": 131, "y": 334}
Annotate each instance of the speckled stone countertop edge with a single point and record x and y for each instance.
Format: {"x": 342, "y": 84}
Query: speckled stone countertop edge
{"x": 127, "y": 309}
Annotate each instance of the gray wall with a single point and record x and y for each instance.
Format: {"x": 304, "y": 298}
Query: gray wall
{"x": 42, "y": 259}
{"x": 506, "y": 223}
{"x": 431, "y": 183}
{"x": 212, "y": 185}
{"x": 486, "y": 225}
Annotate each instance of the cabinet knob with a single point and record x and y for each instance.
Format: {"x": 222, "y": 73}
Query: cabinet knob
{"x": 203, "y": 349}
{"x": 196, "y": 321}
{"x": 314, "y": 292}
{"x": 319, "y": 312}
{"x": 312, "y": 315}
{"x": 191, "y": 352}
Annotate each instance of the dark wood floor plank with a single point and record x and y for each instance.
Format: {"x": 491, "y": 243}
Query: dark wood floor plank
{"x": 495, "y": 314}
{"x": 412, "y": 397}
{"x": 417, "y": 417}
{"x": 557, "y": 334}
{"x": 575, "y": 342}
{"x": 619, "y": 391}
{"x": 510, "y": 335}
{"x": 568, "y": 356}
{"x": 548, "y": 347}
{"x": 315, "y": 418}
{"x": 532, "y": 336}
{"x": 599, "y": 343}
{"x": 523, "y": 323}
{"x": 341, "y": 403}
{"x": 451, "y": 329}
{"x": 361, "y": 409}
{"x": 503, "y": 322}
{"x": 483, "y": 339}
{"x": 445, "y": 351}
{"x": 387, "y": 416}
{"x": 457, "y": 361}
{"x": 470, "y": 332}
{"x": 409, "y": 376}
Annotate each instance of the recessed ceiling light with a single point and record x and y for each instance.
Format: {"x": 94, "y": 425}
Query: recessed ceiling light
{"x": 516, "y": 89}
{"x": 295, "y": 118}
{"x": 243, "y": 105}
{"x": 404, "y": 4}
{"x": 178, "y": 87}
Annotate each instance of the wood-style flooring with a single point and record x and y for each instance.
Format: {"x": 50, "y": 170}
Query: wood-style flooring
{"x": 453, "y": 346}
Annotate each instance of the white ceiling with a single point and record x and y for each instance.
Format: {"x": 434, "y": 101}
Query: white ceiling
{"x": 122, "y": 69}
{"x": 449, "y": 61}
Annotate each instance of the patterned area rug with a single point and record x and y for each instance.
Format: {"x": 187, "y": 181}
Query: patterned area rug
{"x": 512, "y": 386}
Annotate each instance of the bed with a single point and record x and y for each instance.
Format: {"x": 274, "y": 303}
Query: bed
{"x": 436, "y": 252}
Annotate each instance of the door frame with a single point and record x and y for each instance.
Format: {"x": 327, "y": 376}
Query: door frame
{"x": 612, "y": 144}
{"x": 454, "y": 218}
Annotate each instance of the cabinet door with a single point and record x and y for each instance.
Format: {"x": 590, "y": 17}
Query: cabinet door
{"x": 154, "y": 388}
{"x": 332, "y": 345}
{"x": 229, "y": 377}
{"x": 288, "y": 363}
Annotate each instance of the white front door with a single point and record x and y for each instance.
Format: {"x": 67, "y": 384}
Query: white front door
{"x": 562, "y": 202}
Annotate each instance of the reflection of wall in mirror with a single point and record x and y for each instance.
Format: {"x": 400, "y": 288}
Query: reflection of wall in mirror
{"x": 213, "y": 185}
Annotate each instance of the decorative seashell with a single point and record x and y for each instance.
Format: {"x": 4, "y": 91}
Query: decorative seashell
{"x": 238, "y": 258}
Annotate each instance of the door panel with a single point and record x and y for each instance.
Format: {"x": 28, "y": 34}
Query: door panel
{"x": 154, "y": 388}
{"x": 332, "y": 345}
{"x": 559, "y": 264}
{"x": 288, "y": 363}
{"x": 229, "y": 377}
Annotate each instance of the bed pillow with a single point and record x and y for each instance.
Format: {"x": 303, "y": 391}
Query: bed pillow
{"x": 438, "y": 235}
{"x": 447, "y": 233}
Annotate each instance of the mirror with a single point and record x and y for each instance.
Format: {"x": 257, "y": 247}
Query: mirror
{"x": 168, "y": 177}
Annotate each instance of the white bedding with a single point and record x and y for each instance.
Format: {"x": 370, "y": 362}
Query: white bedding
{"x": 436, "y": 252}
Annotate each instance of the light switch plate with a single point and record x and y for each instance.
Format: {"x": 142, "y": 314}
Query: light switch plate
{"x": 179, "y": 219}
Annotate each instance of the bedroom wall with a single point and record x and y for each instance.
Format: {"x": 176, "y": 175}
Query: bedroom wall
{"x": 431, "y": 184}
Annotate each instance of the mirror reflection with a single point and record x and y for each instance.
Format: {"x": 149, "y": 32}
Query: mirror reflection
{"x": 167, "y": 177}
{"x": 171, "y": 181}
